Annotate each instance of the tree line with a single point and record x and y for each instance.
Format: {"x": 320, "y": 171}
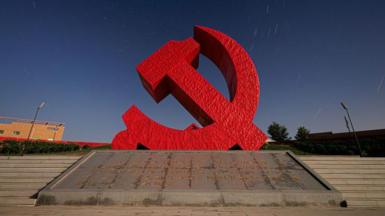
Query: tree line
{"x": 279, "y": 133}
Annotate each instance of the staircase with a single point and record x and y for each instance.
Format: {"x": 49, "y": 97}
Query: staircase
{"x": 21, "y": 177}
{"x": 361, "y": 180}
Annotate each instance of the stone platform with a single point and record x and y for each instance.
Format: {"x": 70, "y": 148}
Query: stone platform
{"x": 198, "y": 178}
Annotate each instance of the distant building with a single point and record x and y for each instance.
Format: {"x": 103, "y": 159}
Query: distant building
{"x": 20, "y": 128}
{"x": 367, "y": 134}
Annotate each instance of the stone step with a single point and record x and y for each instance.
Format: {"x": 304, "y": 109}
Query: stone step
{"x": 353, "y": 176}
{"x": 29, "y": 174}
{"x": 21, "y": 186}
{"x": 5, "y": 201}
{"x": 364, "y": 195}
{"x": 30, "y": 170}
{"x": 24, "y": 180}
{"x": 374, "y": 182}
{"x": 37, "y": 161}
{"x": 348, "y": 166}
{"x": 19, "y": 193}
{"x": 360, "y": 180}
{"x": 355, "y": 188}
{"x": 366, "y": 203}
{"x": 367, "y": 198}
{"x": 22, "y": 177}
{"x": 345, "y": 162}
{"x": 340, "y": 158}
{"x": 32, "y": 165}
{"x": 40, "y": 157}
{"x": 349, "y": 171}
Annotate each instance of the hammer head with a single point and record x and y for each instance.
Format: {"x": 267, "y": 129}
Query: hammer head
{"x": 154, "y": 70}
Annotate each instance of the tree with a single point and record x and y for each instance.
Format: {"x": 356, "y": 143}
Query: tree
{"x": 302, "y": 134}
{"x": 278, "y": 132}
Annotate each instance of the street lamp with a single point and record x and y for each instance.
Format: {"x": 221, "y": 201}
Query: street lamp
{"x": 42, "y": 104}
{"x": 351, "y": 124}
{"x": 347, "y": 123}
{"x": 56, "y": 129}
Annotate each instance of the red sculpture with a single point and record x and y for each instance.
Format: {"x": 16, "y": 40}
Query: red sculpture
{"x": 171, "y": 69}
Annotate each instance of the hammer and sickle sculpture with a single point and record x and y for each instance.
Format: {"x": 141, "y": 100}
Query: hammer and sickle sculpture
{"x": 226, "y": 124}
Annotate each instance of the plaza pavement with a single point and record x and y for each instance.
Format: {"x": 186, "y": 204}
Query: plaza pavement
{"x": 182, "y": 211}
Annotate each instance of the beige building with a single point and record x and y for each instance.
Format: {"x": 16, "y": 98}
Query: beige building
{"x": 20, "y": 128}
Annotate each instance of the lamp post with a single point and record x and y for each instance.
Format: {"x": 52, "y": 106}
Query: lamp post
{"x": 347, "y": 123}
{"x": 56, "y": 129}
{"x": 42, "y": 104}
{"x": 351, "y": 124}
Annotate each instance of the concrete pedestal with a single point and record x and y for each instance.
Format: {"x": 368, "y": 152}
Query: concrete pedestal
{"x": 201, "y": 178}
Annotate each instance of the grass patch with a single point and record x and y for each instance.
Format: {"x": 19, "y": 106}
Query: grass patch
{"x": 295, "y": 150}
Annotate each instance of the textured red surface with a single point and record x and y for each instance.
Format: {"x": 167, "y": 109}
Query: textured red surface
{"x": 171, "y": 70}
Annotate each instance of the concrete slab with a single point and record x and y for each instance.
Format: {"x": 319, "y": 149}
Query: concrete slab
{"x": 198, "y": 178}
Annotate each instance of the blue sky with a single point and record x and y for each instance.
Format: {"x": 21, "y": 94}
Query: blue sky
{"x": 80, "y": 57}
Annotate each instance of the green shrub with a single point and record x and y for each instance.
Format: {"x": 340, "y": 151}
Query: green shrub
{"x": 12, "y": 147}
{"x": 369, "y": 147}
{"x": 274, "y": 146}
{"x": 86, "y": 148}
{"x": 103, "y": 147}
